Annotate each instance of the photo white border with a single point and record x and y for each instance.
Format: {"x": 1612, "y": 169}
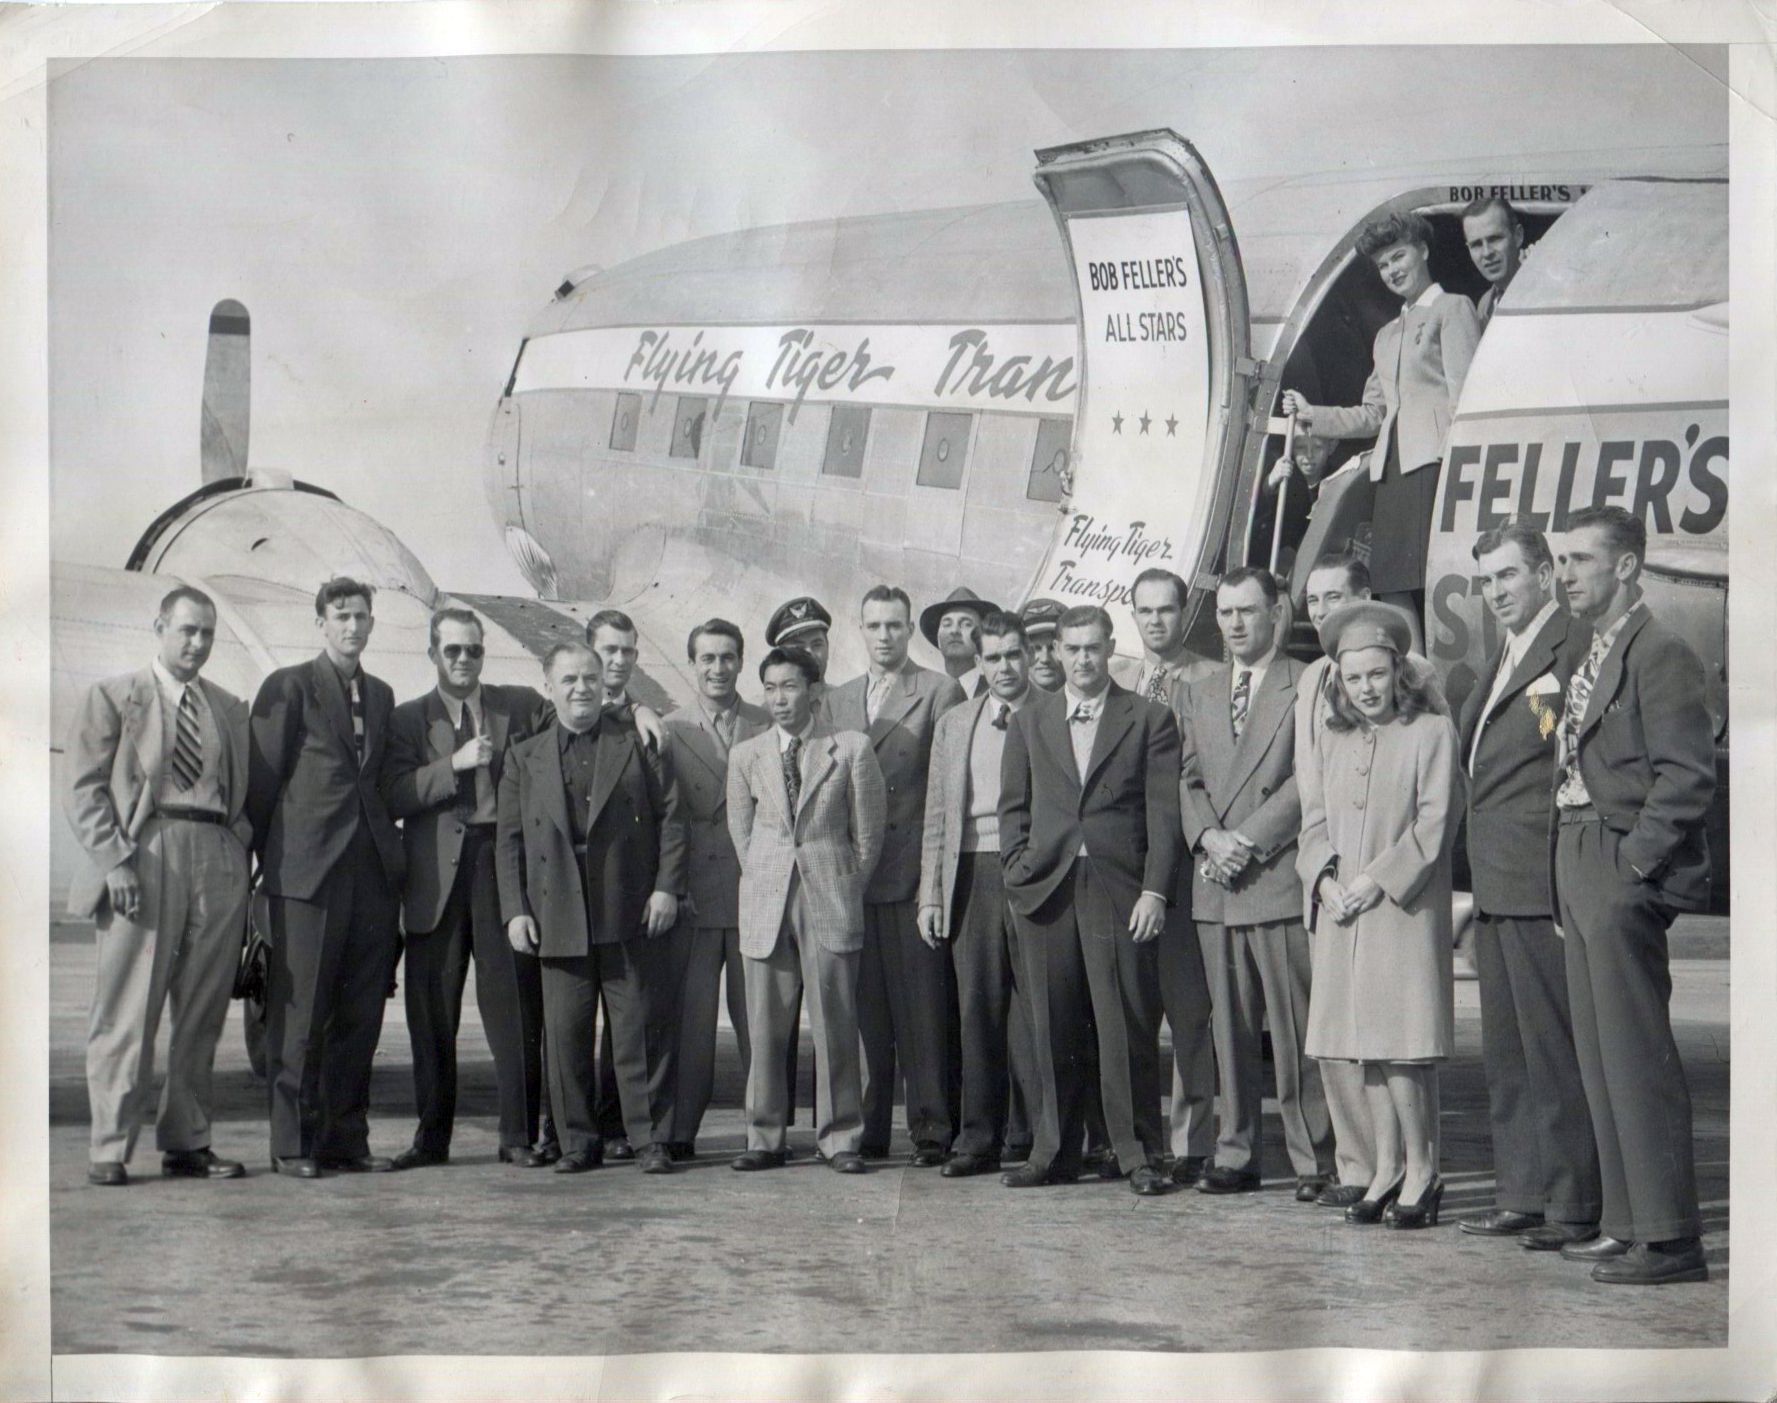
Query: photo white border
{"x": 30, "y": 38}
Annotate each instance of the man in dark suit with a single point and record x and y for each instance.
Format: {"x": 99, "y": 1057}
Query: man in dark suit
{"x": 590, "y": 857}
{"x": 1494, "y": 236}
{"x": 951, "y": 626}
{"x": 1545, "y": 1160}
{"x": 1157, "y": 599}
{"x": 1089, "y": 842}
{"x": 706, "y": 940}
{"x": 331, "y": 865}
{"x": 904, "y": 986}
{"x": 446, "y": 753}
{"x": 1242, "y": 815}
{"x": 1633, "y": 789}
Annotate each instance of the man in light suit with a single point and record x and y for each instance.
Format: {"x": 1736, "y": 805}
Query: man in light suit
{"x": 1157, "y": 599}
{"x": 962, "y": 899}
{"x": 1089, "y": 843}
{"x": 447, "y": 750}
{"x": 1237, "y": 792}
{"x": 1335, "y": 579}
{"x": 904, "y": 987}
{"x": 1545, "y": 1160}
{"x": 1635, "y": 782}
{"x": 332, "y": 868}
{"x": 706, "y": 941}
{"x": 806, "y": 810}
{"x": 591, "y": 860}
{"x": 158, "y": 765}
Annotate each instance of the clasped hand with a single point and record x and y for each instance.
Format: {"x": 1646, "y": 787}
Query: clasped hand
{"x": 1225, "y": 855}
{"x": 1348, "y": 903}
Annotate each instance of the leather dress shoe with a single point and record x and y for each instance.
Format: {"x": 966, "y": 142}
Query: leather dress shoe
{"x": 1188, "y": 1169}
{"x": 654, "y": 1159}
{"x": 1015, "y": 1153}
{"x": 1552, "y": 1237}
{"x": 107, "y": 1174}
{"x": 359, "y": 1164}
{"x": 1599, "y": 1249}
{"x": 1102, "y": 1161}
{"x": 200, "y": 1164}
{"x": 1309, "y": 1187}
{"x": 619, "y": 1149}
{"x": 525, "y": 1157}
{"x": 579, "y": 1162}
{"x": 928, "y": 1154}
{"x": 548, "y": 1151}
{"x": 759, "y": 1159}
{"x": 413, "y": 1157}
{"x": 1032, "y": 1175}
{"x": 963, "y": 1165}
{"x": 1500, "y": 1222}
{"x": 1655, "y": 1264}
{"x": 1219, "y": 1179}
{"x": 848, "y": 1162}
{"x": 1340, "y": 1195}
{"x": 297, "y": 1167}
{"x": 1149, "y": 1182}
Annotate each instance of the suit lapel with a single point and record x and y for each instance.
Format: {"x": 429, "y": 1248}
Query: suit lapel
{"x": 820, "y": 749}
{"x": 1610, "y": 674}
{"x": 441, "y": 736}
{"x": 958, "y": 759}
{"x": 148, "y": 725}
{"x": 1270, "y": 704}
{"x": 1538, "y": 658}
{"x": 232, "y": 762}
{"x": 705, "y": 743}
{"x": 1052, "y": 726}
{"x": 552, "y": 780}
{"x": 899, "y": 701}
{"x": 329, "y": 691}
{"x": 615, "y": 747}
{"x": 1113, "y": 724}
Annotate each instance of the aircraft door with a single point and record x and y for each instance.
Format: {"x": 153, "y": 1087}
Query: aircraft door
{"x": 1164, "y": 366}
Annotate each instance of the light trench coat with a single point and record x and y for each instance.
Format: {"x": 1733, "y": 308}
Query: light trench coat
{"x": 1385, "y": 801}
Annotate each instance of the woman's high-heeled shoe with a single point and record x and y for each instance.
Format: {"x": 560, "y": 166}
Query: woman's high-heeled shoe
{"x": 1423, "y": 1214}
{"x": 1370, "y": 1210}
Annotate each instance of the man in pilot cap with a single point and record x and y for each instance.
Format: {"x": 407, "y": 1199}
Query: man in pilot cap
{"x": 803, "y": 623}
{"x": 1041, "y": 618}
{"x": 950, "y": 626}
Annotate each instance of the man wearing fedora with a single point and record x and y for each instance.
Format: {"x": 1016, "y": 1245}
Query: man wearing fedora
{"x": 950, "y": 626}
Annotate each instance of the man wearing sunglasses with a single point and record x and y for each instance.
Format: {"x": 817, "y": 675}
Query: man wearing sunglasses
{"x": 446, "y": 751}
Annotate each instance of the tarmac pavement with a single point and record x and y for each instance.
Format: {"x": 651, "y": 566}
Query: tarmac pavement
{"x": 483, "y": 1258}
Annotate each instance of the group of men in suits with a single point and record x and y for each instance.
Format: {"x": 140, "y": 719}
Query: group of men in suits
{"x": 989, "y": 884}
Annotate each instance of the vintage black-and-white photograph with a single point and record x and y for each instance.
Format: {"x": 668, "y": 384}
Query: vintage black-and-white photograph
{"x": 890, "y": 702}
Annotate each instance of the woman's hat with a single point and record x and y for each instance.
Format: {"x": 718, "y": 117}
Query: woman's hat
{"x": 1367, "y": 623}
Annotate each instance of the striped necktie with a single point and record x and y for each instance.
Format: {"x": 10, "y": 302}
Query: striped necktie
{"x": 188, "y": 744}
{"x": 357, "y": 697}
{"x": 1243, "y": 691}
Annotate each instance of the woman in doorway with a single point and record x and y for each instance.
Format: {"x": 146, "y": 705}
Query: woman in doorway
{"x": 1421, "y": 359}
{"x": 1379, "y": 813}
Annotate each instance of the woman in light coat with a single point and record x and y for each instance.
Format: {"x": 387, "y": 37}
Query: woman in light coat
{"x": 1380, "y": 801}
{"x": 1421, "y": 360}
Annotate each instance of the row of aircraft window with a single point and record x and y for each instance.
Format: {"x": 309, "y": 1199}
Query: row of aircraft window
{"x": 942, "y": 458}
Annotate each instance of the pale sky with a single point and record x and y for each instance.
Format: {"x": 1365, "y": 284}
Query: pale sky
{"x": 392, "y": 225}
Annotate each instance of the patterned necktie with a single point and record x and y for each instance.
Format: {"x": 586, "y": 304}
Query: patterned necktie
{"x": 1243, "y": 690}
{"x": 1579, "y": 696}
{"x": 1001, "y": 716}
{"x": 188, "y": 745}
{"x": 357, "y": 717}
{"x": 725, "y": 728}
{"x": 465, "y": 778}
{"x": 793, "y": 771}
{"x": 877, "y": 690}
{"x": 1157, "y": 681}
